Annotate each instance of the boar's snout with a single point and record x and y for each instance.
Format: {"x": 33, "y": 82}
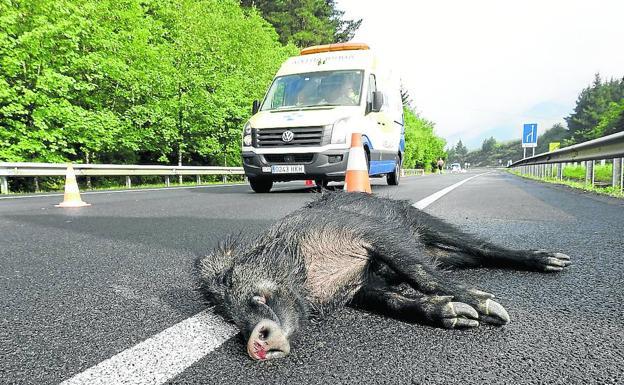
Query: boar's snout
{"x": 267, "y": 341}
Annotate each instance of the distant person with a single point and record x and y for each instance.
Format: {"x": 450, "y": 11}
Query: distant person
{"x": 440, "y": 165}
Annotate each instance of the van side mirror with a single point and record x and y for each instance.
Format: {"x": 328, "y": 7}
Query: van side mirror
{"x": 378, "y": 101}
{"x": 256, "y": 107}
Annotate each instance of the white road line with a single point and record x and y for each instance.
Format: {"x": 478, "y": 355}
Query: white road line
{"x": 168, "y": 353}
{"x": 163, "y": 356}
{"x": 421, "y": 204}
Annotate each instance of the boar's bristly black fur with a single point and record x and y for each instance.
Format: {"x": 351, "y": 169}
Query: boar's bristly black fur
{"x": 374, "y": 253}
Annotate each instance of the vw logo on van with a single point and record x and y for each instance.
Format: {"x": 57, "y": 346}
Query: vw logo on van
{"x": 288, "y": 136}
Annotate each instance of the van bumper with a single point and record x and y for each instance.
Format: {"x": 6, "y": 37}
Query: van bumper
{"x": 328, "y": 165}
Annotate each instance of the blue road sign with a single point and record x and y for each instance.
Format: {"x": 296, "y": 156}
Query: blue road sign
{"x": 529, "y": 135}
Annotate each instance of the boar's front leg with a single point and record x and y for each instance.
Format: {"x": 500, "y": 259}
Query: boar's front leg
{"x": 406, "y": 257}
{"x": 433, "y": 310}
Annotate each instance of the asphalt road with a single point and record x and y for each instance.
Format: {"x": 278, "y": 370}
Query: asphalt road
{"x": 79, "y": 286}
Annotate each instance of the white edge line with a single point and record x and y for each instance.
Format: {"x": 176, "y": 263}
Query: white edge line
{"x": 170, "y": 352}
{"x": 421, "y": 204}
{"x": 162, "y": 356}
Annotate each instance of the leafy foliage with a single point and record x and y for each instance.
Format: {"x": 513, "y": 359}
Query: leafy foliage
{"x": 422, "y": 146}
{"x": 306, "y": 22}
{"x": 599, "y": 111}
{"x": 130, "y": 81}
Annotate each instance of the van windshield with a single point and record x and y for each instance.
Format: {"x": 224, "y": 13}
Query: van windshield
{"x": 331, "y": 88}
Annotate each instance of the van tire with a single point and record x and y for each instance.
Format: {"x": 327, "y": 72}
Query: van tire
{"x": 394, "y": 177}
{"x": 261, "y": 185}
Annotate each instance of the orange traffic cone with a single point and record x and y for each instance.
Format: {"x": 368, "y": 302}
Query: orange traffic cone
{"x": 72, "y": 194}
{"x": 356, "y": 178}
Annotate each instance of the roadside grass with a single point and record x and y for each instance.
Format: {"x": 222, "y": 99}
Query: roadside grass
{"x": 608, "y": 190}
{"x": 601, "y": 173}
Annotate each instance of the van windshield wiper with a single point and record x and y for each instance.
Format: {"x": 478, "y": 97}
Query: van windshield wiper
{"x": 300, "y": 108}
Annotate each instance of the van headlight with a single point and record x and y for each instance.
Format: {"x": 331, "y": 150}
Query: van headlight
{"x": 247, "y": 129}
{"x": 247, "y": 134}
{"x": 340, "y": 130}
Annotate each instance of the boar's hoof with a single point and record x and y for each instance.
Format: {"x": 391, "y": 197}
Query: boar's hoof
{"x": 550, "y": 262}
{"x": 267, "y": 341}
{"x": 458, "y": 315}
{"x": 492, "y": 312}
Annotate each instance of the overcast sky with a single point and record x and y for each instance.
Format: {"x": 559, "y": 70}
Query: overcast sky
{"x": 482, "y": 68}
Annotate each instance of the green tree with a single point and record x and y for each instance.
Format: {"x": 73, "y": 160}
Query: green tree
{"x": 592, "y": 103}
{"x": 130, "y": 81}
{"x": 306, "y": 22}
{"x": 489, "y": 145}
{"x": 422, "y": 146}
{"x": 460, "y": 152}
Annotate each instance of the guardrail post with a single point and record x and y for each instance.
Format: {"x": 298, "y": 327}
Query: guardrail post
{"x": 617, "y": 173}
{"x": 198, "y": 179}
{"x": 36, "y": 184}
{"x": 128, "y": 182}
{"x": 4, "y": 185}
{"x": 167, "y": 181}
{"x": 560, "y": 171}
{"x": 589, "y": 172}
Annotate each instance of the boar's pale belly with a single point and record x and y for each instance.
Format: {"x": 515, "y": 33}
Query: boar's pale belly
{"x": 336, "y": 263}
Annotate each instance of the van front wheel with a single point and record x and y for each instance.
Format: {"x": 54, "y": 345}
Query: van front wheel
{"x": 260, "y": 185}
{"x": 394, "y": 177}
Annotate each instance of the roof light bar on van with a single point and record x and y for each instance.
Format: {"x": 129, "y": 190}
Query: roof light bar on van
{"x": 334, "y": 47}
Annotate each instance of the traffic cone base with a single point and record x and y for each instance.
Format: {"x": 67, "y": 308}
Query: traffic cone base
{"x": 356, "y": 177}
{"x": 72, "y": 193}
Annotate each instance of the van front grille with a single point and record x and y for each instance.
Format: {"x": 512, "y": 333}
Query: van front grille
{"x": 302, "y": 136}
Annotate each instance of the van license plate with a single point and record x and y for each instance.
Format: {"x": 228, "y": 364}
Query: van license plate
{"x": 288, "y": 169}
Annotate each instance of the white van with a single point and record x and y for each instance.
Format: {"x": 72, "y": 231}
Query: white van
{"x": 302, "y": 129}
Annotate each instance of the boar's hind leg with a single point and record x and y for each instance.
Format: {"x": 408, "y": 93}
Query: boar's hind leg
{"x": 429, "y": 309}
{"x": 470, "y": 251}
{"x": 402, "y": 257}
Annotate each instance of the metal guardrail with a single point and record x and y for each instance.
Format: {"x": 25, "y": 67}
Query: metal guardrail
{"x": 24, "y": 169}
{"x": 610, "y": 147}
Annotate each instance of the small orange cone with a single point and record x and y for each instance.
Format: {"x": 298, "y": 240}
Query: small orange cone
{"x": 356, "y": 177}
{"x": 72, "y": 194}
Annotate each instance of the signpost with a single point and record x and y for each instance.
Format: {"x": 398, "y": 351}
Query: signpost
{"x": 529, "y": 137}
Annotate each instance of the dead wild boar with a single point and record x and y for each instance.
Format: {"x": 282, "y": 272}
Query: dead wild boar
{"x": 356, "y": 249}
